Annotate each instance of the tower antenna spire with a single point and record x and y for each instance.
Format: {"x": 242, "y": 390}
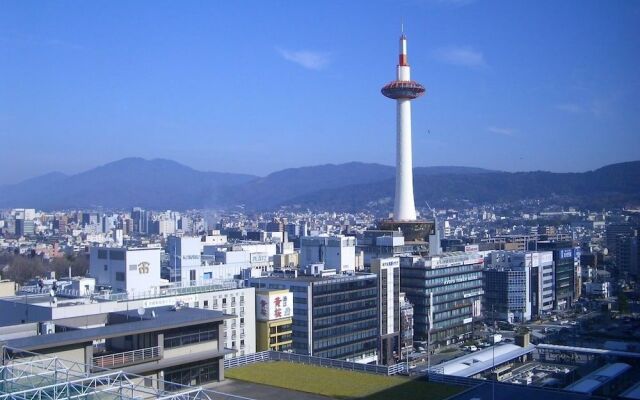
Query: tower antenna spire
{"x": 402, "y": 26}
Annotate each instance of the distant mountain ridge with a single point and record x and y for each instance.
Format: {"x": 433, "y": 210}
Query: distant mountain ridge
{"x": 609, "y": 186}
{"x": 155, "y": 184}
{"x": 166, "y": 184}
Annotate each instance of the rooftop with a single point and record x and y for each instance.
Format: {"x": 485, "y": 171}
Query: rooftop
{"x": 123, "y": 323}
{"x": 598, "y": 378}
{"x": 479, "y": 361}
{"x": 314, "y": 278}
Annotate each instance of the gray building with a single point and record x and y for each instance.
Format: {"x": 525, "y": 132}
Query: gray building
{"x": 334, "y": 316}
{"x": 170, "y": 346}
{"x": 628, "y": 255}
{"x": 613, "y": 232}
{"x": 566, "y": 272}
{"x": 24, "y": 227}
{"x": 446, "y": 292}
{"x": 507, "y": 292}
{"x": 518, "y": 285}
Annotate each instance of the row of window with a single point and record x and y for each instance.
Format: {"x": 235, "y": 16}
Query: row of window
{"x": 348, "y": 351}
{"x": 320, "y": 300}
{"x": 344, "y": 329}
{"x": 339, "y": 341}
{"x": 333, "y": 319}
{"x": 333, "y": 309}
{"x": 178, "y": 340}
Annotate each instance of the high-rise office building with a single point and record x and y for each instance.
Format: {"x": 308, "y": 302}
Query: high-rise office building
{"x": 446, "y": 293}
{"x": 565, "y": 271}
{"x": 335, "y": 316}
{"x": 518, "y": 285}
{"x": 140, "y": 219}
{"x": 388, "y": 271}
{"x": 24, "y": 227}
{"x": 628, "y": 255}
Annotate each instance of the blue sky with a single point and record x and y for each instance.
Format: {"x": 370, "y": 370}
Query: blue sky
{"x": 260, "y": 86}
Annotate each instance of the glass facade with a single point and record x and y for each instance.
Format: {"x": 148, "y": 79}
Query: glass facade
{"x": 505, "y": 291}
{"x": 334, "y": 316}
{"x": 456, "y": 289}
{"x": 189, "y": 335}
{"x": 345, "y": 317}
{"x": 194, "y": 374}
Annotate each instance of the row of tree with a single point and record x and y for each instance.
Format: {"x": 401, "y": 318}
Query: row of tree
{"x": 22, "y": 268}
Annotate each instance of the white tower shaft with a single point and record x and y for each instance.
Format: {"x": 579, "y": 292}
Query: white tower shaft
{"x": 404, "y": 207}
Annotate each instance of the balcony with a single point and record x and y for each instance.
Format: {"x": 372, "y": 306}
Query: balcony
{"x": 128, "y": 357}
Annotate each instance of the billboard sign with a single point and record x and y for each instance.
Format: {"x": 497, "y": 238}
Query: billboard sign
{"x": 274, "y": 305}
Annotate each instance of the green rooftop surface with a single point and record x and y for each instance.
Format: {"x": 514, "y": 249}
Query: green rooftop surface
{"x": 340, "y": 384}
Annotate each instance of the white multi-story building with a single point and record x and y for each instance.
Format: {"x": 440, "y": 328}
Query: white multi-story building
{"x": 184, "y": 255}
{"x": 230, "y": 297}
{"x": 388, "y": 271}
{"x": 133, "y": 269}
{"x": 336, "y": 252}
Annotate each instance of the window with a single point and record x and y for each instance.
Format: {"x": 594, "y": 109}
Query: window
{"x": 106, "y": 267}
{"x": 102, "y": 254}
{"x": 224, "y": 301}
{"x": 116, "y": 255}
{"x": 206, "y": 304}
{"x": 120, "y": 276}
{"x": 196, "y": 304}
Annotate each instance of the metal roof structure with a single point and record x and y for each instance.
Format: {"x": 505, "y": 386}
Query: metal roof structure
{"x": 131, "y": 323}
{"x": 480, "y": 361}
{"x": 588, "y": 350}
{"x": 27, "y": 376}
{"x": 598, "y": 378}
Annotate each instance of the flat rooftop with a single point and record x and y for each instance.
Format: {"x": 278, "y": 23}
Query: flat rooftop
{"x": 480, "y": 361}
{"x": 598, "y": 378}
{"x": 127, "y": 323}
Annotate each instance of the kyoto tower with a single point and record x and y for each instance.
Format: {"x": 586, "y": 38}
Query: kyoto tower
{"x": 403, "y": 90}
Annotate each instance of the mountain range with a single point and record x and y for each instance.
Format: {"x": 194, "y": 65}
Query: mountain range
{"x": 165, "y": 184}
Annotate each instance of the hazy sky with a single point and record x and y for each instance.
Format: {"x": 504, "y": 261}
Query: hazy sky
{"x": 260, "y": 86}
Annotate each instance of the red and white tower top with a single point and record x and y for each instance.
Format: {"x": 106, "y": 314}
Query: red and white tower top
{"x": 403, "y": 51}
{"x": 403, "y": 87}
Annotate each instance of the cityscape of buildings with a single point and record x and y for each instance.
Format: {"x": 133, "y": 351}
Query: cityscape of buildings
{"x": 509, "y": 293}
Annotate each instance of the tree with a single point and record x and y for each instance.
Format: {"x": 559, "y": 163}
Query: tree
{"x": 79, "y": 265}
{"x": 623, "y": 303}
{"x": 21, "y": 269}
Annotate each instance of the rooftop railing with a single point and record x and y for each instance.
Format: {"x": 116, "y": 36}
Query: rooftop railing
{"x": 127, "y": 357}
{"x": 191, "y": 287}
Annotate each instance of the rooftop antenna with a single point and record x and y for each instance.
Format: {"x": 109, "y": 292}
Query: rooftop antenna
{"x": 402, "y": 26}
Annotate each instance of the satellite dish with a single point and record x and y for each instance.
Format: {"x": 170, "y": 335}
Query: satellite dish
{"x": 52, "y": 293}
{"x": 141, "y": 311}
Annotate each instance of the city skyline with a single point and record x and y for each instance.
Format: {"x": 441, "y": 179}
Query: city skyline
{"x": 87, "y": 85}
